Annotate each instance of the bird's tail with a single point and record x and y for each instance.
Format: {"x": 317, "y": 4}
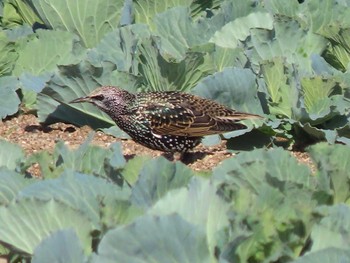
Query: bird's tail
{"x": 231, "y": 123}
{"x": 238, "y": 116}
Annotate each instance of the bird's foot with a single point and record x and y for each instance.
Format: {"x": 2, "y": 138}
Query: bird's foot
{"x": 184, "y": 157}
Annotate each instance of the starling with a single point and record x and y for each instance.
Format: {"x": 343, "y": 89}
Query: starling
{"x": 168, "y": 121}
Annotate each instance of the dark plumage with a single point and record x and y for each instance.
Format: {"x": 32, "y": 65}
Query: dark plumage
{"x": 166, "y": 121}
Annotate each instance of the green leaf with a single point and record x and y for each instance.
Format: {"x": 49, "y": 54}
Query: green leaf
{"x": 282, "y": 96}
{"x": 4, "y": 251}
{"x": 29, "y": 99}
{"x": 234, "y": 87}
{"x": 10, "y": 184}
{"x": 252, "y": 168}
{"x": 19, "y": 33}
{"x": 325, "y": 21}
{"x": 88, "y": 19}
{"x": 332, "y": 163}
{"x": 200, "y": 205}
{"x": 325, "y": 18}
{"x": 116, "y": 160}
{"x": 116, "y": 132}
{"x": 80, "y": 192}
{"x": 198, "y": 7}
{"x": 238, "y": 30}
{"x": 260, "y": 184}
{"x": 9, "y": 101}
{"x": 156, "y": 178}
{"x": 289, "y": 40}
{"x": 154, "y": 239}
{"x": 89, "y": 159}
{"x": 316, "y": 95}
{"x": 321, "y": 67}
{"x": 133, "y": 168}
{"x": 116, "y": 212}
{"x": 24, "y": 224}
{"x": 9, "y": 16}
{"x": 328, "y": 255}
{"x": 329, "y": 135}
{"x": 339, "y": 55}
{"x": 39, "y": 58}
{"x": 10, "y": 155}
{"x": 145, "y": 10}
{"x": 334, "y": 114}
{"x": 234, "y": 9}
{"x": 48, "y": 49}
{"x": 160, "y": 75}
{"x": 176, "y": 39}
{"x": 211, "y": 140}
{"x": 74, "y": 81}
{"x": 8, "y": 54}
{"x": 228, "y": 57}
{"x": 25, "y": 12}
{"x": 61, "y": 246}
{"x": 119, "y": 47}
{"x": 333, "y": 230}
{"x": 285, "y": 7}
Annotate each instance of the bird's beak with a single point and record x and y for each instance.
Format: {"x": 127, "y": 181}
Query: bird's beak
{"x": 82, "y": 99}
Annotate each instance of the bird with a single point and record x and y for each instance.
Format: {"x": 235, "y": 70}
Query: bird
{"x": 168, "y": 121}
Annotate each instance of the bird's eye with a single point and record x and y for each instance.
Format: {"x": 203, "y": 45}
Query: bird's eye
{"x": 98, "y": 97}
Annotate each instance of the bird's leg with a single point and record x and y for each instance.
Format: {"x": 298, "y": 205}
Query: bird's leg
{"x": 186, "y": 157}
{"x": 169, "y": 156}
{"x": 178, "y": 156}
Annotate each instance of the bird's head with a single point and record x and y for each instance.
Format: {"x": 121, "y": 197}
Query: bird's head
{"x": 108, "y": 98}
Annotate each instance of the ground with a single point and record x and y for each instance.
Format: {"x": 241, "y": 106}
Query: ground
{"x": 26, "y": 131}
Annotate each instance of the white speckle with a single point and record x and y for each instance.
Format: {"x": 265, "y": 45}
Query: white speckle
{"x": 157, "y": 135}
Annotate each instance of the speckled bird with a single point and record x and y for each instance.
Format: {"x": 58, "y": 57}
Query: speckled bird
{"x": 168, "y": 121}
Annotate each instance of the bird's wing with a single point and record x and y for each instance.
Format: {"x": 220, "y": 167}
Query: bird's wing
{"x": 184, "y": 120}
{"x": 189, "y": 115}
{"x": 167, "y": 118}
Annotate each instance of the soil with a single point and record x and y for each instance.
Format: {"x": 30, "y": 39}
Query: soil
{"x": 32, "y": 136}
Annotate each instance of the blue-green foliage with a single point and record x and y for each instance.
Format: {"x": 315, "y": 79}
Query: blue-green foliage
{"x": 94, "y": 206}
{"x": 294, "y": 57}
{"x": 285, "y": 60}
